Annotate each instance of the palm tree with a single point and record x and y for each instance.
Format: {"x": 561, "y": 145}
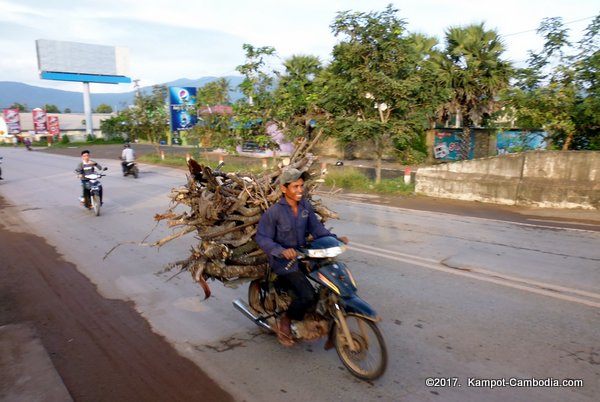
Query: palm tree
{"x": 475, "y": 73}
{"x": 295, "y": 95}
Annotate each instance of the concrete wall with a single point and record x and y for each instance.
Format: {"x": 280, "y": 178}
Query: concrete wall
{"x": 551, "y": 179}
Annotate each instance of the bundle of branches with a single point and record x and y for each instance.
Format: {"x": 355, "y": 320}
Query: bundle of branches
{"x": 224, "y": 209}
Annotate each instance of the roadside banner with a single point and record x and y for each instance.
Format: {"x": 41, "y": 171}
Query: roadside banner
{"x": 53, "y": 126}
{"x": 12, "y": 119}
{"x": 39, "y": 121}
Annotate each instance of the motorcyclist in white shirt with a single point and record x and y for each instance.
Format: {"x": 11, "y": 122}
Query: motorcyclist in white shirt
{"x": 127, "y": 156}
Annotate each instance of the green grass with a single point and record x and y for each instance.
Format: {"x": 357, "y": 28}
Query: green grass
{"x": 71, "y": 144}
{"x": 348, "y": 178}
{"x": 352, "y": 179}
{"x": 180, "y": 161}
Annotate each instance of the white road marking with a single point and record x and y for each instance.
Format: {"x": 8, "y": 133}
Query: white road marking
{"x": 546, "y": 289}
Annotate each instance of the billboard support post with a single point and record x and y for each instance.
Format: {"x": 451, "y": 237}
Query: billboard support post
{"x": 87, "y": 109}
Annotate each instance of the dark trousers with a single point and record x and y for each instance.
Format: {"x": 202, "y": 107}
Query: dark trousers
{"x": 302, "y": 292}
{"x": 85, "y": 186}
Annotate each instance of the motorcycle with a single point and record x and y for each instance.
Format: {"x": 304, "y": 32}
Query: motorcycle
{"x": 131, "y": 168}
{"x": 349, "y": 323}
{"x": 91, "y": 198}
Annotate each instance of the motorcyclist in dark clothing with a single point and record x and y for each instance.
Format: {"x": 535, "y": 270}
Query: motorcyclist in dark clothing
{"x": 282, "y": 229}
{"x": 85, "y": 167}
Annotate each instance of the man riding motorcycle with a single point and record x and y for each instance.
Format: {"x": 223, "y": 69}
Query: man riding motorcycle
{"x": 282, "y": 229}
{"x": 127, "y": 156}
{"x": 86, "y": 167}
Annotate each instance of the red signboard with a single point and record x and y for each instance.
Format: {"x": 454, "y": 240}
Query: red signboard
{"x": 53, "y": 125}
{"x": 11, "y": 117}
{"x": 39, "y": 121}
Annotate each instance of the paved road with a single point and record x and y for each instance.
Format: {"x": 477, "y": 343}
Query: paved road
{"x": 553, "y": 217}
{"x": 460, "y": 297}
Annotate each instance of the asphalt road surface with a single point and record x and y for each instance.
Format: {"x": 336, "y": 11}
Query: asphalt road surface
{"x": 464, "y": 295}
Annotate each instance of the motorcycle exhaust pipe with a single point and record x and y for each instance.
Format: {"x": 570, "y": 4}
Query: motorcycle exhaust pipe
{"x": 245, "y": 309}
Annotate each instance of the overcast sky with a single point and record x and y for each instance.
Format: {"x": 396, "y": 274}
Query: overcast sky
{"x": 196, "y": 38}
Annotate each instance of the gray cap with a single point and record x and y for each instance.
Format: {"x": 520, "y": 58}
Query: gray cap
{"x": 289, "y": 175}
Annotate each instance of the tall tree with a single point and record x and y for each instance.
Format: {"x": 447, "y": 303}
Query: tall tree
{"x": 476, "y": 74}
{"x": 147, "y": 118}
{"x": 253, "y": 113}
{"x": 214, "y": 93}
{"x": 104, "y": 108}
{"x": 214, "y": 121}
{"x": 373, "y": 87}
{"x": 296, "y": 95}
{"x": 559, "y": 90}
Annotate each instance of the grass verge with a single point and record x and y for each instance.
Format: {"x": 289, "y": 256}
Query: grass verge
{"x": 348, "y": 178}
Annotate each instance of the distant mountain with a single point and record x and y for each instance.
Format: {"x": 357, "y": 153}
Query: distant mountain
{"x": 32, "y": 96}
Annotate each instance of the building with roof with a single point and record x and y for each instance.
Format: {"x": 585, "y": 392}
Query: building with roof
{"x": 71, "y": 124}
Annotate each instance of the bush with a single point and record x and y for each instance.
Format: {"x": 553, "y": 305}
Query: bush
{"x": 64, "y": 139}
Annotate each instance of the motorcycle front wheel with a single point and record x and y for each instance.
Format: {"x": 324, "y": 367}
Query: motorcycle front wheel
{"x": 368, "y": 361}
{"x": 96, "y": 204}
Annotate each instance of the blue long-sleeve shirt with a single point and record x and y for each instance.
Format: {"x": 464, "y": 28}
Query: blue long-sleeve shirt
{"x": 278, "y": 230}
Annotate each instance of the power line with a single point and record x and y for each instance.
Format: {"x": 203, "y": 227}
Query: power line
{"x": 535, "y": 30}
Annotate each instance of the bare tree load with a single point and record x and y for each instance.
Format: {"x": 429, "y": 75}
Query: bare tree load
{"x": 224, "y": 209}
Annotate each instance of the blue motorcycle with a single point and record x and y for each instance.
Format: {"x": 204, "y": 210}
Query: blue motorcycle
{"x": 348, "y": 322}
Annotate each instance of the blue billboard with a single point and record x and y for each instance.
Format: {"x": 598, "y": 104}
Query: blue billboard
{"x": 519, "y": 141}
{"x": 182, "y": 105}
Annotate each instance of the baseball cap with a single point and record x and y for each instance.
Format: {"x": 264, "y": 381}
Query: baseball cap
{"x": 289, "y": 175}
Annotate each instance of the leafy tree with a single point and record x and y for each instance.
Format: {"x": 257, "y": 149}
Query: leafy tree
{"x": 104, "y": 108}
{"x": 373, "y": 87}
{"x": 254, "y": 113}
{"x": 67, "y": 110}
{"x": 296, "y": 96}
{"x": 20, "y": 107}
{"x": 214, "y": 93}
{"x": 214, "y": 126}
{"x": 559, "y": 90}
{"x": 146, "y": 118}
{"x": 51, "y": 108}
{"x": 476, "y": 73}
{"x": 116, "y": 126}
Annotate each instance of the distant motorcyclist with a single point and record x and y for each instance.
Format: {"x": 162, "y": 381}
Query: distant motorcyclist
{"x": 127, "y": 156}
{"x": 84, "y": 168}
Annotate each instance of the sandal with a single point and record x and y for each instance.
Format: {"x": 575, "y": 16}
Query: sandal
{"x": 284, "y": 335}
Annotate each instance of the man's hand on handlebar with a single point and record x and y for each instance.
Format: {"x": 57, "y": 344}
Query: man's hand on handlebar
{"x": 289, "y": 253}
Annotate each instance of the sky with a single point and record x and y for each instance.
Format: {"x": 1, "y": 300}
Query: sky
{"x": 197, "y": 38}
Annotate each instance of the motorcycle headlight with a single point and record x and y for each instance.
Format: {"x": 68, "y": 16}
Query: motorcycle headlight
{"x": 325, "y": 252}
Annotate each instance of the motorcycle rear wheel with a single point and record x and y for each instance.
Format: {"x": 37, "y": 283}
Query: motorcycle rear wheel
{"x": 96, "y": 204}
{"x": 255, "y": 296}
{"x": 135, "y": 172}
{"x": 369, "y": 361}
